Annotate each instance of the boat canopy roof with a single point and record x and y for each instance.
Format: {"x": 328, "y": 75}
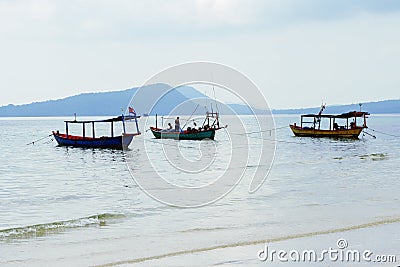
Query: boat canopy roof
{"x": 115, "y": 119}
{"x": 350, "y": 114}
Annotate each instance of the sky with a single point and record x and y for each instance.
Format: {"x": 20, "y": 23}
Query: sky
{"x": 298, "y": 52}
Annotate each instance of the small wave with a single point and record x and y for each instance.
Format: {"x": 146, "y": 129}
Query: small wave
{"x": 372, "y": 156}
{"x": 255, "y": 242}
{"x": 375, "y": 156}
{"x": 203, "y": 229}
{"x": 44, "y": 229}
{"x": 231, "y": 262}
{"x": 312, "y": 205}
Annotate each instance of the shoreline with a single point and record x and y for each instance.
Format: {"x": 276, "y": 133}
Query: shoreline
{"x": 294, "y": 240}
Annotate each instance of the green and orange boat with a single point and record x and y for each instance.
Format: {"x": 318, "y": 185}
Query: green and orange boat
{"x": 206, "y": 131}
{"x": 183, "y": 135}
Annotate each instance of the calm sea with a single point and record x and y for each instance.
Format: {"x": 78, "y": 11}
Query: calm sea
{"x": 81, "y": 207}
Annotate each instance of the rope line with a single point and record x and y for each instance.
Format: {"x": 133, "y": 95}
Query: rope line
{"x": 393, "y": 135}
{"x": 268, "y": 130}
{"x": 33, "y": 142}
{"x": 365, "y": 132}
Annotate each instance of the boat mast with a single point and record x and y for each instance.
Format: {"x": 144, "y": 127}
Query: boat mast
{"x": 319, "y": 116}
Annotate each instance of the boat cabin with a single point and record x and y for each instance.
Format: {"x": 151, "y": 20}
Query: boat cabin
{"x": 346, "y": 120}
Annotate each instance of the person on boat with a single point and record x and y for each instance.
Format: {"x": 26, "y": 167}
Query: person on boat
{"x": 169, "y": 128}
{"x": 335, "y": 126}
{"x": 177, "y": 125}
{"x": 191, "y": 130}
{"x": 194, "y": 130}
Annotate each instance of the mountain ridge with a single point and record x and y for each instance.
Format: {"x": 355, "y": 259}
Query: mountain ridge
{"x": 110, "y": 103}
{"x": 390, "y": 106}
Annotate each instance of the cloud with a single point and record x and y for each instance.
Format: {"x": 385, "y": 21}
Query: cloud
{"x": 22, "y": 16}
{"x": 340, "y": 61}
{"x": 338, "y": 9}
{"x": 341, "y": 51}
{"x": 125, "y": 19}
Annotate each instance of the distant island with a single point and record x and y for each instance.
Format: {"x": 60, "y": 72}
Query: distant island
{"x": 110, "y": 104}
{"x": 378, "y": 107}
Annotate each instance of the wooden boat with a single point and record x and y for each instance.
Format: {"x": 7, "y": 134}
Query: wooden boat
{"x": 346, "y": 130}
{"x": 117, "y": 142}
{"x": 206, "y": 131}
{"x": 183, "y": 135}
{"x": 114, "y": 142}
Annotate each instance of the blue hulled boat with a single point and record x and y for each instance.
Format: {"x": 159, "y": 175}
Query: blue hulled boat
{"x": 114, "y": 142}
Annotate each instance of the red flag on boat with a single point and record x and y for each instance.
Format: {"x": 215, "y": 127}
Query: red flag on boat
{"x": 131, "y": 110}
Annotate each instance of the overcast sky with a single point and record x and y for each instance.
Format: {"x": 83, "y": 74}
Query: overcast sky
{"x": 299, "y": 52}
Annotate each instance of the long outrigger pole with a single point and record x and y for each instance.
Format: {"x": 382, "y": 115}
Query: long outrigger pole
{"x": 190, "y": 116}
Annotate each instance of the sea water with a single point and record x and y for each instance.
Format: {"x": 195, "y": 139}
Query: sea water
{"x": 81, "y": 207}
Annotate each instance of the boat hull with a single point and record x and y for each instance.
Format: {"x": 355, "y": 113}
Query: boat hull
{"x": 117, "y": 142}
{"x": 340, "y": 133}
{"x": 159, "y": 134}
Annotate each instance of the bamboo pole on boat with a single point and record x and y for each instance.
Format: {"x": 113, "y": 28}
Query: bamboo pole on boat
{"x": 123, "y": 123}
{"x": 66, "y": 128}
{"x": 137, "y": 126}
{"x": 365, "y": 120}
{"x": 190, "y": 116}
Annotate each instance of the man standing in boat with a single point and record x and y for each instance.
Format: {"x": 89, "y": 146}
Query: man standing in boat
{"x": 177, "y": 125}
